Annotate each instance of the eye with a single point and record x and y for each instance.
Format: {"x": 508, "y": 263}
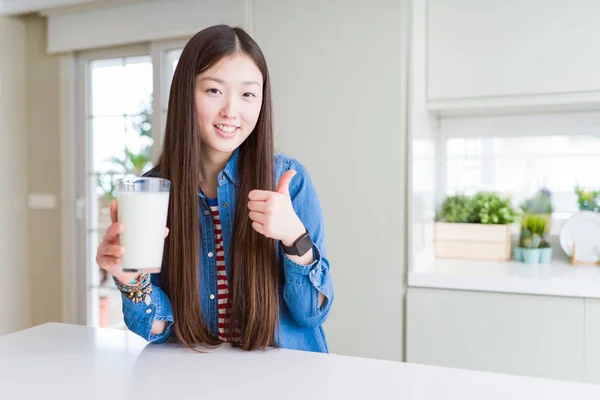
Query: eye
{"x": 248, "y": 94}
{"x": 213, "y": 91}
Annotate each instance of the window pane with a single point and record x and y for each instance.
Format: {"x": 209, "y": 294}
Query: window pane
{"x": 138, "y": 96}
{"x": 120, "y": 137}
{"x": 519, "y": 166}
{"x": 108, "y": 87}
{"x": 108, "y": 141}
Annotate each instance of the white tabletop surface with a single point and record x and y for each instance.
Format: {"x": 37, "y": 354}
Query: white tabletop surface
{"x": 558, "y": 278}
{"x": 59, "y": 361}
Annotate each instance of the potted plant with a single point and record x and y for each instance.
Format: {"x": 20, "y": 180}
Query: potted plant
{"x": 457, "y": 209}
{"x": 475, "y": 228}
{"x": 490, "y": 208}
{"x": 540, "y": 204}
{"x": 545, "y": 252}
{"x": 532, "y": 241}
{"x": 588, "y": 200}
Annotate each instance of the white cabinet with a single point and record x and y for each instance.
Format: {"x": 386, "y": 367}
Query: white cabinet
{"x": 477, "y": 49}
{"x": 592, "y": 341}
{"x": 528, "y": 335}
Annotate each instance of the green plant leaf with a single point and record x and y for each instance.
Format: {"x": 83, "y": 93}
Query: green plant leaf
{"x": 541, "y": 203}
{"x": 457, "y": 209}
{"x": 490, "y": 208}
{"x": 587, "y": 199}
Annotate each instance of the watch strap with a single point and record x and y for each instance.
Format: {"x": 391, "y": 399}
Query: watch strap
{"x": 300, "y": 247}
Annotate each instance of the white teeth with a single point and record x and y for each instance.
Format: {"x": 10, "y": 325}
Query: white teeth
{"x": 227, "y": 129}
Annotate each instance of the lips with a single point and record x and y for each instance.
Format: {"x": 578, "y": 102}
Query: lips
{"x": 226, "y": 130}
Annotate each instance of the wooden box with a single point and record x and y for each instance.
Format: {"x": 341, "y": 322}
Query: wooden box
{"x": 472, "y": 241}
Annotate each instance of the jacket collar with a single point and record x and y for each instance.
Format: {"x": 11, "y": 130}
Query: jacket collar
{"x": 231, "y": 168}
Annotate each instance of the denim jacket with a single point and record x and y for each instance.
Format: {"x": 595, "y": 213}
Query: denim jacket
{"x": 300, "y": 317}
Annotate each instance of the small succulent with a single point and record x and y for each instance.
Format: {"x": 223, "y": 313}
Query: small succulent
{"x": 533, "y": 231}
{"x": 534, "y": 223}
{"x": 532, "y": 242}
{"x": 544, "y": 244}
{"x": 525, "y": 238}
{"x": 536, "y": 239}
{"x": 458, "y": 209}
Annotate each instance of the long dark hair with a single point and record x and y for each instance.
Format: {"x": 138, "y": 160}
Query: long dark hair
{"x": 253, "y": 283}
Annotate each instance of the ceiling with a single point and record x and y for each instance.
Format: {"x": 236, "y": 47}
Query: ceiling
{"x": 16, "y": 7}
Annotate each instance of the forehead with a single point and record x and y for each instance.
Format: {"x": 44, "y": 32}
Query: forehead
{"x": 234, "y": 69}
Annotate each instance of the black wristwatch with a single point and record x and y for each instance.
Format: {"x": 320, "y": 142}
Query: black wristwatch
{"x": 300, "y": 246}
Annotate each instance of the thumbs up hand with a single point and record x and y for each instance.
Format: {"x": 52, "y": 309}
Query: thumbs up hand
{"x": 272, "y": 213}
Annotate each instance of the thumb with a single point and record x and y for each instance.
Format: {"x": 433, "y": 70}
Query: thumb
{"x": 284, "y": 182}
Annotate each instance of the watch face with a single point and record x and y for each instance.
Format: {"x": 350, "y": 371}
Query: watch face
{"x": 304, "y": 245}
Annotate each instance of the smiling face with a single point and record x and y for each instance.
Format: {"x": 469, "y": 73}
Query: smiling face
{"x": 228, "y": 99}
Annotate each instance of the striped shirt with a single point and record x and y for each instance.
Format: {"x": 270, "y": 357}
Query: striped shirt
{"x": 224, "y": 308}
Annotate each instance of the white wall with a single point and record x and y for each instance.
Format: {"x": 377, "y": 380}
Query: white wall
{"x": 44, "y": 162}
{"x": 14, "y": 275}
{"x": 85, "y": 28}
{"x": 338, "y": 71}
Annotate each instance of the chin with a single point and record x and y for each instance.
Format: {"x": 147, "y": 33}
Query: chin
{"x": 228, "y": 147}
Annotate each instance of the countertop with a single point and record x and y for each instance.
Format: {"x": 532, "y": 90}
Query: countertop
{"x": 559, "y": 278}
{"x": 74, "y": 362}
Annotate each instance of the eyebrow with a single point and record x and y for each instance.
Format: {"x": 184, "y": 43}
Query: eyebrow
{"x": 210, "y": 78}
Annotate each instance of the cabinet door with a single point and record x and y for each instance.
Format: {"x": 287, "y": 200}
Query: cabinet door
{"x": 508, "y": 333}
{"x": 592, "y": 341}
{"x": 491, "y": 48}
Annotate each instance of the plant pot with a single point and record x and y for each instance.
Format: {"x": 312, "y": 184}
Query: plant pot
{"x": 545, "y": 255}
{"x": 518, "y": 252}
{"x": 531, "y": 256}
{"x": 472, "y": 241}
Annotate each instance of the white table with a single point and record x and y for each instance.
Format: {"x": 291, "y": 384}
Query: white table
{"x": 75, "y": 362}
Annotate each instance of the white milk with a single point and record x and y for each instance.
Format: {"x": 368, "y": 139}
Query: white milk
{"x": 144, "y": 217}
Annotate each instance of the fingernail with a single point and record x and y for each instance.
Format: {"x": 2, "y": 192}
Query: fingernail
{"x": 122, "y": 249}
{"x": 121, "y": 227}
{"x": 118, "y": 261}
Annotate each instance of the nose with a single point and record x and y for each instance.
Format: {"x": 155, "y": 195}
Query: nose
{"x": 229, "y": 108}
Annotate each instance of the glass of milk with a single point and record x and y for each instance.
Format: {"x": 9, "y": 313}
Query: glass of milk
{"x": 143, "y": 204}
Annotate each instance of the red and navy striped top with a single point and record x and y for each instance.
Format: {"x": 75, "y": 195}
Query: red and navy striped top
{"x": 224, "y": 308}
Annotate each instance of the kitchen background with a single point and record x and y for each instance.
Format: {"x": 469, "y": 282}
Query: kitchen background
{"x": 461, "y": 136}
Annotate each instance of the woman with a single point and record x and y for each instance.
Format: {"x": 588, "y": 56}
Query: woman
{"x": 244, "y": 260}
